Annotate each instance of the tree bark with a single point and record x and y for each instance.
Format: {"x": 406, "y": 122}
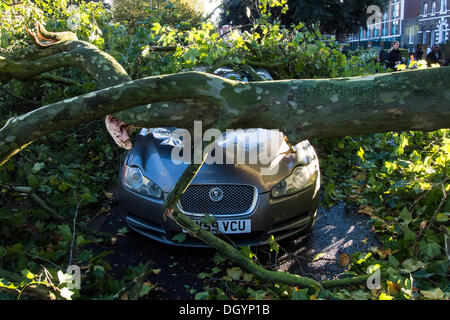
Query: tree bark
{"x": 413, "y": 100}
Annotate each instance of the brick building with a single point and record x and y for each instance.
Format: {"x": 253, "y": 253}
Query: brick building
{"x": 412, "y": 22}
{"x": 382, "y": 33}
{"x": 430, "y": 25}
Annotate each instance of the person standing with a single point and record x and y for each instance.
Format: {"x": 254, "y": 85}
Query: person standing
{"x": 394, "y": 56}
{"x": 419, "y": 53}
{"x": 435, "y": 56}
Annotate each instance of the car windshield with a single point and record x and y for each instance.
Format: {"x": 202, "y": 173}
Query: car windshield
{"x": 249, "y": 138}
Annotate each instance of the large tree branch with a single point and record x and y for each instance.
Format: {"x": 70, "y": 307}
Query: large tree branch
{"x": 414, "y": 100}
{"x": 60, "y": 50}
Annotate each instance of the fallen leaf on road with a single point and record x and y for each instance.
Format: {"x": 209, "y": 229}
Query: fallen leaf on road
{"x": 109, "y": 195}
{"x": 344, "y": 259}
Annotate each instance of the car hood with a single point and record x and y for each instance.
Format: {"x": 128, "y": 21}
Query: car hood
{"x": 152, "y": 153}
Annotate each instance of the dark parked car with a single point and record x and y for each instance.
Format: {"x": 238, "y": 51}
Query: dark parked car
{"x": 250, "y": 201}
{"x": 248, "y": 206}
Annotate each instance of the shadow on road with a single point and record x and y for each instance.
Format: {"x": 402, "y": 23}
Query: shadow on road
{"x": 336, "y": 231}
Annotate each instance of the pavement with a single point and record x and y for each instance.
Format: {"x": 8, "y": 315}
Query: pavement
{"x": 337, "y": 231}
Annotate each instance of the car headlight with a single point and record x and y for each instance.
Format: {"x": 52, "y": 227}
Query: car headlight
{"x": 133, "y": 179}
{"x": 303, "y": 176}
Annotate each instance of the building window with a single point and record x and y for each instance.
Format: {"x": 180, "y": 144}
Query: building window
{"x": 396, "y": 11}
{"x": 425, "y": 8}
{"x": 433, "y": 7}
{"x": 394, "y": 27}
{"x": 411, "y": 34}
{"x": 384, "y": 33}
{"x": 442, "y": 34}
{"x": 424, "y": 37}
{"x": 443, "y": 6}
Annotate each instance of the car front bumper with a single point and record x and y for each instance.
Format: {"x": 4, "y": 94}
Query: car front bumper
{"x": 281, "y": 218}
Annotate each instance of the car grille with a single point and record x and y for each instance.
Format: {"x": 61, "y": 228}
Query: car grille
{"x": 236, "y": 199}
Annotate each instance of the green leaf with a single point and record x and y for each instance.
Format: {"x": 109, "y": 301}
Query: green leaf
{"x": 27, "y": 274}
{"x": 146, "y": 288}
{"x": 405, "y": 215}
{"x": 179, "y": 237}
{"x": 246, "y": 251}
{"x": 156, "y": 27}
{"x": 247, "y": 277}
{"x": 38, "y": 166}
{"x": 218, "y": 258}
{"x": 393, "y": 261}
{"x": 409, "y": 235}
{"x": 122, "y": 230}
{"x": 82, "y": 241}
{"x": 235, "y": 273}
{"x": 64, "y": 230}
{"x": 33, "y": 181}
{"x": 301, "y": 294}
{"x": 216, "y": 270}
{"x": 430, "y": 250}
{"x": 64, "y": 186}
{"x": 422, "y": 274}
{"x": 202, "y": 295}
{"x": 443, "y": 217}
{"x": 207, "y": 219}
{"x": 203, "y": 275}
{"x": 410, "y": 265}
{"x": 84, "y": 256}
{"x": 435, "y": 294}
{"x": 99, "y": 271}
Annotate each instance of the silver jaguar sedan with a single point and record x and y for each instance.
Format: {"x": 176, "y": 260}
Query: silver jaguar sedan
{"x": 250, "y": 201}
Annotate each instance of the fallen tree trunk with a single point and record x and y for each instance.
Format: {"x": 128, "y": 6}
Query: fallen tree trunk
{"x": 302, "y": 108}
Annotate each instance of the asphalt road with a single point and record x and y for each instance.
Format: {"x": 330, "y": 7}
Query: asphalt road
{"x": 336, "y": 231}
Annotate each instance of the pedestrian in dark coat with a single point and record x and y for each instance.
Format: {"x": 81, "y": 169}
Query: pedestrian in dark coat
{"x": 419, "y": 53}
{"x": 394, "y": 56}
{"x": 435, "y": 56}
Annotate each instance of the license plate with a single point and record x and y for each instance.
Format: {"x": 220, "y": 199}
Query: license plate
{"x": 226, "y": 226}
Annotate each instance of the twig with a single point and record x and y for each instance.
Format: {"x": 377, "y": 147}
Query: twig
{"x": 136, "y": 287}
{"x": 439, "y": 207}
{"x": 54, "y": 78}
{"x": 23, "y": 99}
{"x": 13, "y": 3}
{"x": 29, "y": 191}
{"x": 427, "y": 192}
{"x": 53, "y": 213}
{"x": 73, "y": 233}
{"x": 32, "y": 256}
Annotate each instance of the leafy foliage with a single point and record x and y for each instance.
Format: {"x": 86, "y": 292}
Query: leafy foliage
{"x": 333, "y": 16}
{"x": 181, "y": 14}
{"x": 399, "y": 180}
